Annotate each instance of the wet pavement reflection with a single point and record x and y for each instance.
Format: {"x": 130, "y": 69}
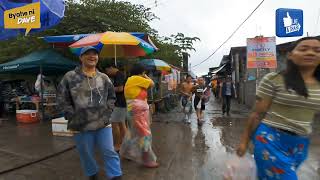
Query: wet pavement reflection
{"x": 185, "y": 152}
{"x": 216, "y": 141}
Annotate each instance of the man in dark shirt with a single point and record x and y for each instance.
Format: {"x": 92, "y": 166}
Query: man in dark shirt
{"x": 118, "y": 116}
{"x": 227, "y": 91}
{"x": 199, "y": 103}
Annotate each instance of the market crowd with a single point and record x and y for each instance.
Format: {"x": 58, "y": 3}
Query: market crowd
{"x": 108, "y": 111}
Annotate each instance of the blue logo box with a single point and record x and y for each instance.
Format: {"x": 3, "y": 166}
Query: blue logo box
{"x": 289, "y": 22}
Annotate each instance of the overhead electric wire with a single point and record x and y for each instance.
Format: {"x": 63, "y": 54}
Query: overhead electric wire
{"x": 232, "y": 34}
{"x": 147, "y": 1}
{"x": 140, "y": 1}
{"x": 157, "y": 3}
{"x": 151, "y": 3}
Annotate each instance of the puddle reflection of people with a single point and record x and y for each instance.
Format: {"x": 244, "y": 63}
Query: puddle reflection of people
{"x": 200, "y": 145}
{"x": 286, "y": 103}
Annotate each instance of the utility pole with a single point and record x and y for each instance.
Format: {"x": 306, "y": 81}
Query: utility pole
{"x": 185, "y": 59}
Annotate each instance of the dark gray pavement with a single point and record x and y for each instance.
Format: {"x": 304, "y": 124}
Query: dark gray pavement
{"x": 185, "y": 152}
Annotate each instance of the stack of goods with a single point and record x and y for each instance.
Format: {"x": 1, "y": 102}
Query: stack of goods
{"x": 7, "y": 94}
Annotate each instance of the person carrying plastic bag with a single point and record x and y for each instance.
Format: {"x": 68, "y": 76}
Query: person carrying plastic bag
{"x": 281, "y": 122}
{"x": 240, "y": 168}
{"x": 201, "y": 91}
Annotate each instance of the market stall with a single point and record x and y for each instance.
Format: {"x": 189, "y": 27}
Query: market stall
{"x": 167, "y": 78}
{"x": 19, "y": 77}
{"x": 64, "y": 41}
{"x": 112, "y": 46}
{"x": 170, "y": 88}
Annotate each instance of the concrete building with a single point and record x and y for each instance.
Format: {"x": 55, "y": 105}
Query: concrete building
{"x": 246, "y": 80}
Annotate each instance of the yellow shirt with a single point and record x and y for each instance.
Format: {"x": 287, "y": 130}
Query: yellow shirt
{"x": 136, "y": 88}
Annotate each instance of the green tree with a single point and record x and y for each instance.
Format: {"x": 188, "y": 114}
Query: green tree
{"x": 86, "y": 16}
{"x": 167, "y": 52}
{"x": 184, "y": 43}
{"x": 172, "y": 48}
{"x": 92, "y": 16}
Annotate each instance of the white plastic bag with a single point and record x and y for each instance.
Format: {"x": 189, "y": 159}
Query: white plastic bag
{"x": 309, "y": 169}
{"x": 240, "y": 168}
{"x": 37, "y": 84}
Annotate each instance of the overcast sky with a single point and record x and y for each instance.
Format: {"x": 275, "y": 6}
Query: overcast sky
{"x": 214, "y": 20}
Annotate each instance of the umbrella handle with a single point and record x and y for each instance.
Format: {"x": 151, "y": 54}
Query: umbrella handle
{"x": 115, "y": 55}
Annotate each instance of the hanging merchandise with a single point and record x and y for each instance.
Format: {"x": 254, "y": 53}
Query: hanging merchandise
{"x": 170, "y": 83}
{"x": 37, "y": 85}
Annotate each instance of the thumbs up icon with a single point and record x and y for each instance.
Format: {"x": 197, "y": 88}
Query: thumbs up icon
{"x": 287, "y": 21}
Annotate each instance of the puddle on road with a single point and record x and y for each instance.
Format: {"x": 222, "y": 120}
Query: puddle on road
{"x": 214, "y": 144}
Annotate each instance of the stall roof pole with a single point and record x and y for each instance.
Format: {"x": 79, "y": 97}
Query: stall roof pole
{"x": 115, "y": 55}
{"x": 42, "y": 103}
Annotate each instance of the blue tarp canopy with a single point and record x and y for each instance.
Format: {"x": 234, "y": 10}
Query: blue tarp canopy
{"x": 51, "y": 62}
{"x": 64, "y": 40}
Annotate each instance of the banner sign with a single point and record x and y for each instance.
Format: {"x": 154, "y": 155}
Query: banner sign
{"x": 25, "y": 17}
{"x": 261, "y": 52}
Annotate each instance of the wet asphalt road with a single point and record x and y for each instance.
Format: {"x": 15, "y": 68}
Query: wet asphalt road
{"x": 185, "y": 152}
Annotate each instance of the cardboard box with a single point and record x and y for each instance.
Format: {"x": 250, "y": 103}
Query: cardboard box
{"x": 59, "y": 127}
{"x": 152, "y": 108}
